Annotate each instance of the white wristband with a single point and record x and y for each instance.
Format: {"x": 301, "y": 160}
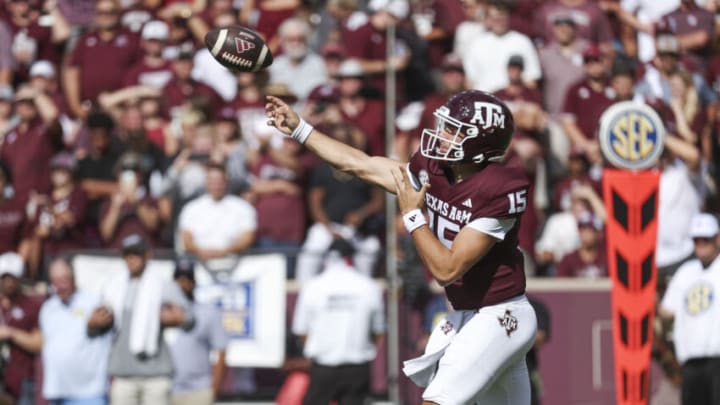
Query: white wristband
{"x": 413, "y": 220}
{"x": 302, "y": 131}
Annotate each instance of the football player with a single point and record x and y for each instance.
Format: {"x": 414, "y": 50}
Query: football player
{"x": 462, "y": 207}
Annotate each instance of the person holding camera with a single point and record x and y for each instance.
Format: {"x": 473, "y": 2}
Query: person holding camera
{"x": 130, "y": 209}
{"x": 58, "y": 217}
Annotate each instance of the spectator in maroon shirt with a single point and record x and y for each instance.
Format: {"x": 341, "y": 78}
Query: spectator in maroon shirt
{"x": 590, "y": 259}
{"x": 131, "y": 209}
{"x": 58, "y": 218}
{"x": 32, "y": 41}
{"x": 19, "y": 329}
{"x": 12, "y": 215}
{"x": 183, "y": 88}
{"x": 584, "y": 104}
{"x": 523, "y": 15}
{"x": 276, "y": 186}
{"x": 578, "y": 173}
{"x": 322, "y": 105}
{"x": 530, "y": 119}
{"x": 367, "y": 43}
{"x": 694, "y": 27}
{"x": 100, "y": 58}
{"x": 152, "y": 69}
{"x": 562, "y": 62}
{"x": 366, "y": 114}
{"x": 29, "y": 146}
{"x": 43, "y": 78}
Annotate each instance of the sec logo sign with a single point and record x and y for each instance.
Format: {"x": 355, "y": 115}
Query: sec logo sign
{"x": 631, "y": 135}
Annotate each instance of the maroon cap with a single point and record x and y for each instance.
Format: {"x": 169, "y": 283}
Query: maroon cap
{"x": 592, "y": 52}
{"x": 324, "y": 93}
{"x": 332, "y": 49}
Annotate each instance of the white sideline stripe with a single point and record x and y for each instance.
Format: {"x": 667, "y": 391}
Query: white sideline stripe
{"x": 220, "y": 41}
{"x": 539, "y": 284}
{"x": 567, "y": 284}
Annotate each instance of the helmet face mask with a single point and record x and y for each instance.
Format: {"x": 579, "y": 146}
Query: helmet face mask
{"x": 472, "y": 127}
{"x": 445, "y": 142}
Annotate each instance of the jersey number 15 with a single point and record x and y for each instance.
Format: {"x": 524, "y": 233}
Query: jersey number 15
{"x": 518, "y": 201}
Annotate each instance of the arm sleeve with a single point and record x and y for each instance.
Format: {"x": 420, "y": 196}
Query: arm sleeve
{"x": 532, "y": 61}
{"x": 497, "y": 228}
{"x": 672, "y": 301}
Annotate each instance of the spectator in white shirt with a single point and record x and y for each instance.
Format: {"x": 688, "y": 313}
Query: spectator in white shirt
{"x": 217, "y": 225}
{"x": 487, "y": 56}
{"x": 339, "y": 317}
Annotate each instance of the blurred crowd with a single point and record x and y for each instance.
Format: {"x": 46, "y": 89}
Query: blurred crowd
{"x": 116, "y": 120}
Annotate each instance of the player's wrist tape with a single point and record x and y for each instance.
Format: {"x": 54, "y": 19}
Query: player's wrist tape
{"x": 302, "y": 131}
{"x": 413, "y": 220}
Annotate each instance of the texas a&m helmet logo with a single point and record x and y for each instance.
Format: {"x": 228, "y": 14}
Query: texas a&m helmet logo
{"x": 488, "y": 115}
{"x": 242, "y": 45}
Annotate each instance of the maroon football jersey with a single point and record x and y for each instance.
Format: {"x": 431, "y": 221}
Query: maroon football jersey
{"x": 496, "y": 191}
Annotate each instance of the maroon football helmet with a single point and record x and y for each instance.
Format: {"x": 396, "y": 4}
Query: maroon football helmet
{"x": 472, "y": 127}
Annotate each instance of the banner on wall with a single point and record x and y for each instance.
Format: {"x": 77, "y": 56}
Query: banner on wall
{"x": 251, "y": 296}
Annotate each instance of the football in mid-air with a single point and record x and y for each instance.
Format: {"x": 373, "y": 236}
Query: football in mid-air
{"x": 239, "y": 48}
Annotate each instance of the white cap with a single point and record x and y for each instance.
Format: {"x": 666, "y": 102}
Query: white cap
{"x": 155, "y": 30}
{"x": 350, "y": 68}
{"x": 42, "y": 68}
{"x": 397, "y": 8}
{"x": 704, "y": 226}
{"x": 11, "y": 263}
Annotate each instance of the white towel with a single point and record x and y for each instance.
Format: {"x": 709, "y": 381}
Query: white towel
{"x": 145, "y": 322}
{"x": 421, "y": 370}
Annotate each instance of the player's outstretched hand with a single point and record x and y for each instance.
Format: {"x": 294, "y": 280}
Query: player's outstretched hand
{"x": 408, "y": 197}
{"x": 281, "y": 116}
